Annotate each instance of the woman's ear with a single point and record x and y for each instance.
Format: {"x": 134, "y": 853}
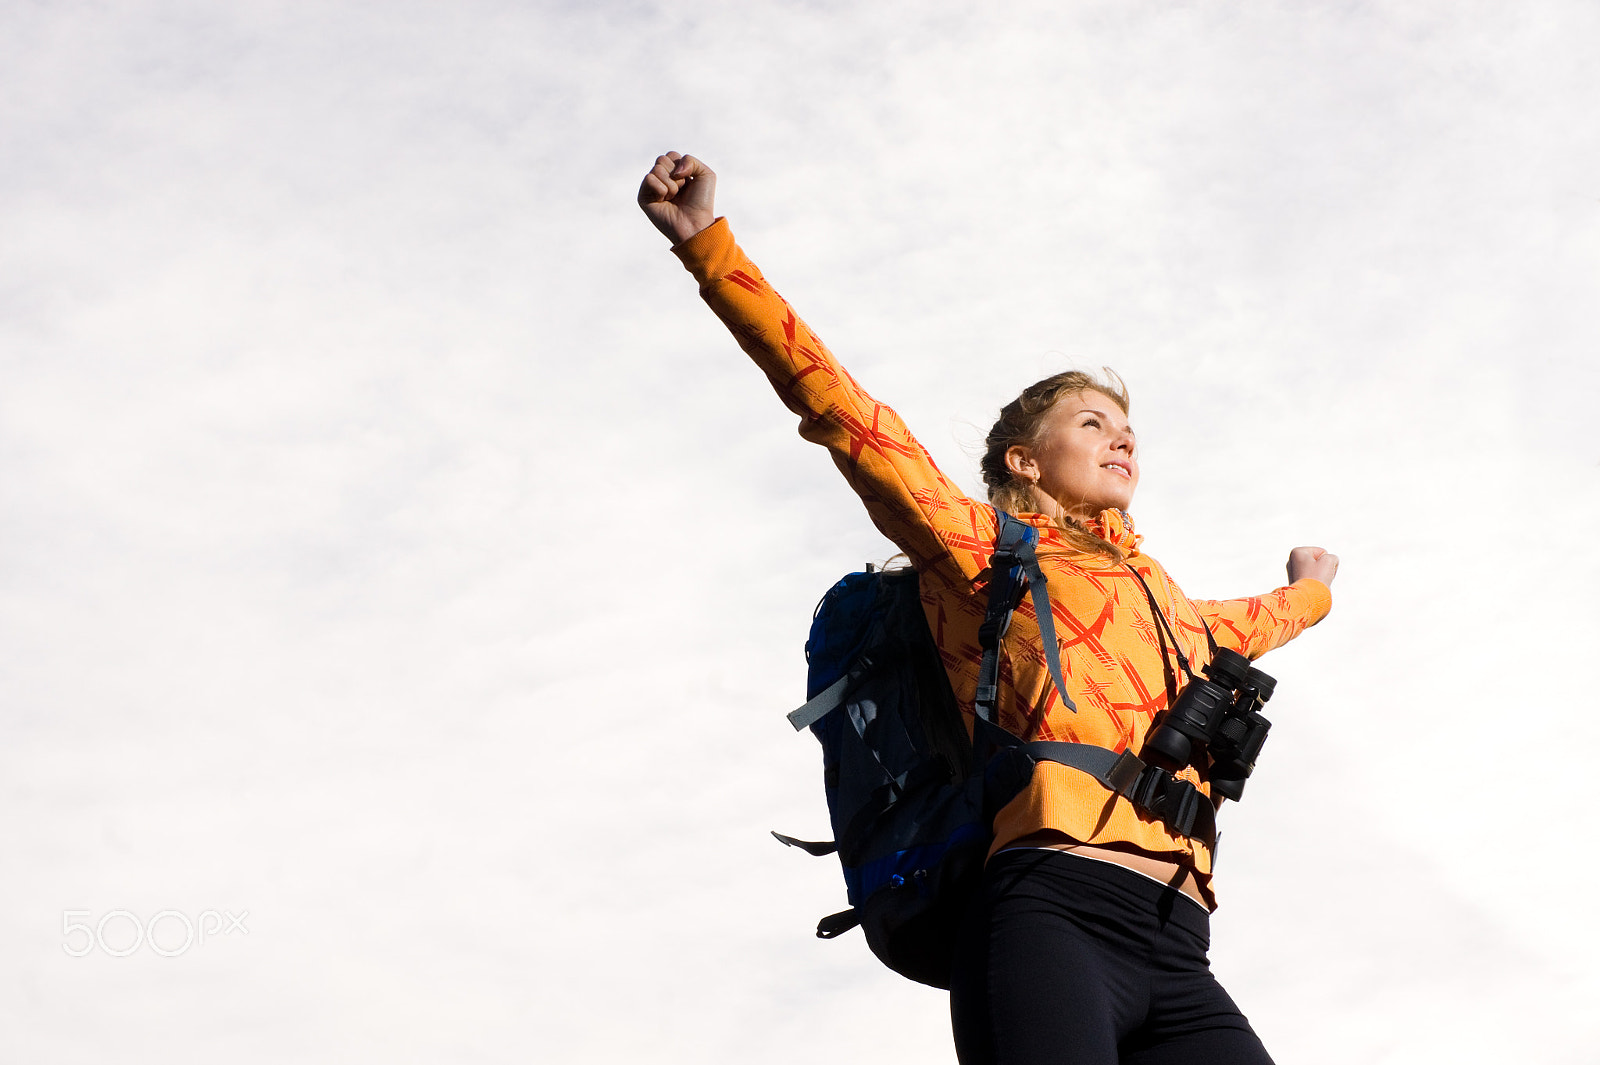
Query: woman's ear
{"x": 1020, "y": 461}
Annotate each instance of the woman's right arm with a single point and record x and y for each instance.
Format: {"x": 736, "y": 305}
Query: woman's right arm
{"x": 946, "y": 534}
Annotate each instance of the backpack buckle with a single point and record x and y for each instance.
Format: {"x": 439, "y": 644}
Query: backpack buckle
{"x": 1174, "y": 802}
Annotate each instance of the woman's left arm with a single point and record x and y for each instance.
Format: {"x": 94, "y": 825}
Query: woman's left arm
{"x": 1260, "y": 623}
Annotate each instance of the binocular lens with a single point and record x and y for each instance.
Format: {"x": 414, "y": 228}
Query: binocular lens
{"x": 1215, "y": 719}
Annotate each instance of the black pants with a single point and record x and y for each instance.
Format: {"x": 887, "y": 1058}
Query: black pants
{"x": 1066, "y": 959}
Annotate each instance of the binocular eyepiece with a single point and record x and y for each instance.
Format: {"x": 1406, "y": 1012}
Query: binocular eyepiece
{"x": 1217, "y": 715}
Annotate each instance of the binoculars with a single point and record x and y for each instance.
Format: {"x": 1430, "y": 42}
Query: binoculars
{"x": 1219, "y": 715}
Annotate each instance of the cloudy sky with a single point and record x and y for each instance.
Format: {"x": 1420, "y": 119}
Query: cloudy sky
{"x": 396, "y": 557}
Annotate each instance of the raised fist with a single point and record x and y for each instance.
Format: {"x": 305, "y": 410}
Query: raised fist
{"x": 1314, "y": 562}
{"x": 679, "y": 196}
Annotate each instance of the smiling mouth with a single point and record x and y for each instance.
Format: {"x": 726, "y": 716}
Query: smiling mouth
{"x": 1118, "y": 469}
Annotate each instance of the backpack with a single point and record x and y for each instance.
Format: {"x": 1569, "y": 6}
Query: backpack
{"x": 911, "y": 796}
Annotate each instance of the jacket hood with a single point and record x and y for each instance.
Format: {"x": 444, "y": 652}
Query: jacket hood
{"x": 1115, "y": 526}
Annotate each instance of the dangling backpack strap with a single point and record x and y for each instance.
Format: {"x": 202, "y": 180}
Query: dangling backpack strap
{"x": 822, "y": 704}
{"x": 1039, "y": 590}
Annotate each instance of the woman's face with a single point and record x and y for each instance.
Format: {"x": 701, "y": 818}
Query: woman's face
{"x": 1085, "y": 456}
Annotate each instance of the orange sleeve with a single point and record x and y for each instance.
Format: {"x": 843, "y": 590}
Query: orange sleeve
{"x": 1261, "y": 623}
{"x": 946, "y": 534}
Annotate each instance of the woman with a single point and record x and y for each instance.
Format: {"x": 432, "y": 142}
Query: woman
{"x": 1089, "y": 943}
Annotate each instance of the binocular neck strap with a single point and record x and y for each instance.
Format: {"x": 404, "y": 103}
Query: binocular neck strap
{"x": 1161, "y": 619}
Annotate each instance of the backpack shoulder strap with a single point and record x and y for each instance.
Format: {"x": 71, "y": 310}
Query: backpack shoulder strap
{"x": 1013, "y": 569}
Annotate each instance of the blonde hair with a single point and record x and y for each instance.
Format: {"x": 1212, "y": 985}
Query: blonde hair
{"x": 1021, "y": 422}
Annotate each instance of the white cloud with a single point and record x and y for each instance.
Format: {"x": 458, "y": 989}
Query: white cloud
{"x": 397, "y": 550}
